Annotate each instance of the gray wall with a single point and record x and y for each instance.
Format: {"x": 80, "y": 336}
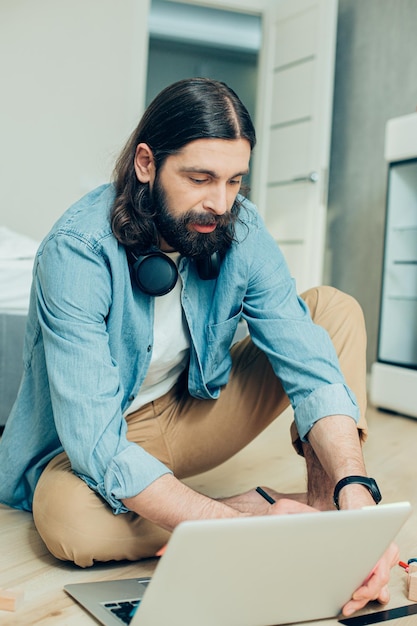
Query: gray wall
{"x": 376, "y": 79}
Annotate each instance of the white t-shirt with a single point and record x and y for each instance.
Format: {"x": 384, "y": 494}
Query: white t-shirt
{"x": 171, "y": 346}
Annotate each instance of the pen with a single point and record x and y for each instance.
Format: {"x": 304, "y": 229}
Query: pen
{"x": 265, "y": 495}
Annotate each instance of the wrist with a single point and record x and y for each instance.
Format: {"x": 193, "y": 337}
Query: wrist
{"x": 355, "y": 492}
{"x": 355, "y": 497}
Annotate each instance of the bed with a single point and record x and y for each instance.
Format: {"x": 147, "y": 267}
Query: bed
{"x": 17, "y": 253}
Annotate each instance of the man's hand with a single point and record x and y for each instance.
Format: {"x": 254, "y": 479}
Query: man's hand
{"x": 252, "y": 503}
{"x": 375, "y": 587}
{"x": 335, "y": 453}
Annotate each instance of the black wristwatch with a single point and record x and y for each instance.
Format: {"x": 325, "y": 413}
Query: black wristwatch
{"x": 369, "y": 483}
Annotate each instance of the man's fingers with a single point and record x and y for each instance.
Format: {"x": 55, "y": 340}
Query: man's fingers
{"x": 376, "y": 585}
{"x": 287, "y": 506}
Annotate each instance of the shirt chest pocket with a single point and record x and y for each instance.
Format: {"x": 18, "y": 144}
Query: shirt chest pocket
{"x": 219, "y": 340}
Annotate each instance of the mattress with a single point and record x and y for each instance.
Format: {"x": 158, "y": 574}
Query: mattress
{"x": 17, "y": 254}
{"x": 12, "y": 331}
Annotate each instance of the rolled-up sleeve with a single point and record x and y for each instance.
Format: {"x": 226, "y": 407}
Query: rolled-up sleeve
{"x": 335, "y": 399}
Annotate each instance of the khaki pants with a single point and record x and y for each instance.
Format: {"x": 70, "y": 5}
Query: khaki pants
{"x": 190, "y": 436}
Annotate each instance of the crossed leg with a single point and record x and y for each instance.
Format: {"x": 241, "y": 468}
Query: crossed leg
{"x": 191, "y": 436}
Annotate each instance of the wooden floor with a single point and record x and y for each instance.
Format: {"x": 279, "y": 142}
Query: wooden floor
{"x": 269, "y": 460}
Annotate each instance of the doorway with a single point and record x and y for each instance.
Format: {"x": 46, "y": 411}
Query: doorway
{"x": 187, "y": 40}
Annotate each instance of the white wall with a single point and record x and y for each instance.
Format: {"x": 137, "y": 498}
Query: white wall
{"x": 73, "y": 75}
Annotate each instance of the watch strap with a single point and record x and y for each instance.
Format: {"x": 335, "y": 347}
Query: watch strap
{"x": 369, "y": 483}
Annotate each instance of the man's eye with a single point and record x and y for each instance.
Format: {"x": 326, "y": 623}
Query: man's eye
{"x": 236, "y": 182}
{"x": 198, "y": 181}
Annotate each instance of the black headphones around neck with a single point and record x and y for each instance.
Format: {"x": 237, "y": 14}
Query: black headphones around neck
{"x": 156, "y": 274}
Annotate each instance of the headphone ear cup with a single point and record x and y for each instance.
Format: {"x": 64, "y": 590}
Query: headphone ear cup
{"x": 155, "y": 274}
{"x": 209, "y": 267}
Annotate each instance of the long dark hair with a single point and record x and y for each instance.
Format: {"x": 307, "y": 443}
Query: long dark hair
{"x": 190, "y": 109}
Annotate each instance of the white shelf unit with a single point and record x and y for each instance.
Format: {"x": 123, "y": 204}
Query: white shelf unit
{"x": 394, "y": 375}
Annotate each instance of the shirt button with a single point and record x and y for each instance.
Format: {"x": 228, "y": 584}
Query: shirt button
{"x": 149, "y": 348}
{"x": 131, "y": 398}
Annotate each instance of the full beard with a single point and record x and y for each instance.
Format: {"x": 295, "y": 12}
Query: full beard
{"x": 187, "y": 242}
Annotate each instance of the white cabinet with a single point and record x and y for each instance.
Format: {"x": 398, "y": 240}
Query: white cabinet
{"x": 394, "y": 375}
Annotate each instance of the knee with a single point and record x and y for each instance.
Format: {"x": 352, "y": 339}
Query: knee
{"x": 326, "y": 302}
{"x": 77, "y": 525}
{"x": 58, "y": 518}
{"x": 62, "y": 542}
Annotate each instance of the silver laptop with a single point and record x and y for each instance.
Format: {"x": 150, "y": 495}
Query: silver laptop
{"x": 254, "y": 571}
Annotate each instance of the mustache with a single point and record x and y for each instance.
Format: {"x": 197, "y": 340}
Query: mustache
{"x": 207, "y": 219}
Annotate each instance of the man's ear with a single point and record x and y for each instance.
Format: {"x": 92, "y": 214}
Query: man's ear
{"x": 144, "y": 163}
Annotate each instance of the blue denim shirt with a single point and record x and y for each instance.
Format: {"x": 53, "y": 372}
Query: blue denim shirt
{"x": 89, "y": 340}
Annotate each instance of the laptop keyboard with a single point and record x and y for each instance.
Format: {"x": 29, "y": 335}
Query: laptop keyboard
{"x": 123, "y": 610}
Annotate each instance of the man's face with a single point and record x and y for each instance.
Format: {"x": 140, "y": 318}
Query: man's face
{"x": 193, "y": 194}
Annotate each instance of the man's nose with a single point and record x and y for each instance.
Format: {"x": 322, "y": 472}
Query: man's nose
{"x": 217, "y": 200}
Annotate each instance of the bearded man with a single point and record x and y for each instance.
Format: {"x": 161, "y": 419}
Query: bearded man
{"x": 133, "y": 380}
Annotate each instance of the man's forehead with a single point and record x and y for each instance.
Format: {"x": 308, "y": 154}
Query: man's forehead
{"x": 210, "y": 155}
